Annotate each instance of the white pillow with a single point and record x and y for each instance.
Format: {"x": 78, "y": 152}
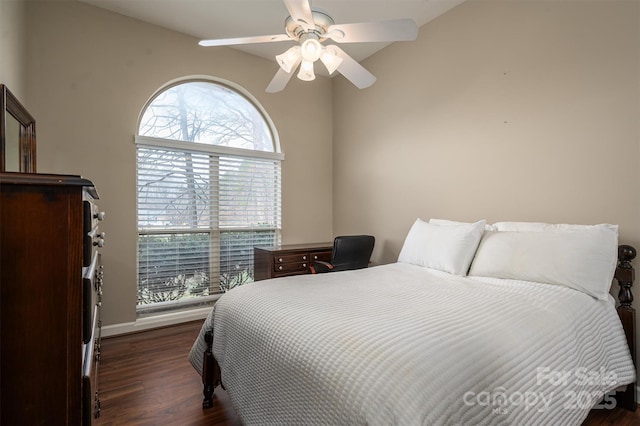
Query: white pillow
{"x": 582, "y": 258}
{"x": 448, "y": 248}
{"x": 539, "y": 226}
{"x": 487, "y": 227}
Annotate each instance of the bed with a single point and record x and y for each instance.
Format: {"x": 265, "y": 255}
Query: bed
{"x": 509, "y": 323}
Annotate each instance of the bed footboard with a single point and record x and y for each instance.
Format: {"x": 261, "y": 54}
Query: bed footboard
{"x": 210, "y": 372}
{"x": 625, "y": 275}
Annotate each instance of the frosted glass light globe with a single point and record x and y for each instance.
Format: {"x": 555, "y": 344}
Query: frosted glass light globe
{"x": 311, "y": 49}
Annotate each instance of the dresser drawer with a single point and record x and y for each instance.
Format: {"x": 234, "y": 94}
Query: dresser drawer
{"x": 324, "y": 256}
{"x": 91, "y": 360}
{"x": 291, "y": 258}
{"x": 90, "y": 282}
{"x": 291, "y": 267}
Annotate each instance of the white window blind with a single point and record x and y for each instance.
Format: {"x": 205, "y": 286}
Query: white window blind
{"x": 199, "y": 216}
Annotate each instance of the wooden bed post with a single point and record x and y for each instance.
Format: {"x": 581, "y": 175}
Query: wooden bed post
{"x": 210, "y": 372}
{"x": 625, "y": 275}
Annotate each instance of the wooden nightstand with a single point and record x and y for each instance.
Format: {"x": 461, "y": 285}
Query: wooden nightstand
{"x": 282, "y": 261}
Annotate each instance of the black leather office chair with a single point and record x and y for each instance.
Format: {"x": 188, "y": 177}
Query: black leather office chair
{"x": 349, "y": 252}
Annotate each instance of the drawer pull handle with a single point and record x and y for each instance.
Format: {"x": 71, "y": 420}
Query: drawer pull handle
{"x": 280, "y": 268}
{"x": 304, "y": 257}
{"x": 315, "y": 257}
{"x": 304, "y": 265}
{"x": 280, "y": 260}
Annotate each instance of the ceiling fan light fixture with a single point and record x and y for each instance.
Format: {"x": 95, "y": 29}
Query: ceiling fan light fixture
{"x": 306, "y": 71}
{"x": 330, "y": 58}
{"x": 289, "y": 59}
{"x": 310, "y": 49}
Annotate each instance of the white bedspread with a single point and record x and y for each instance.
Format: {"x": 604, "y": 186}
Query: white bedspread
{"x": 406, "y": 345}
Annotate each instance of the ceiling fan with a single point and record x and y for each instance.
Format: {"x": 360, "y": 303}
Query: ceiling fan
{"x": 310, "y": 28}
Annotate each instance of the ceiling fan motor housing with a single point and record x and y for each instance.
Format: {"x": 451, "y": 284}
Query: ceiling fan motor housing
{"x": 319, "y": 27}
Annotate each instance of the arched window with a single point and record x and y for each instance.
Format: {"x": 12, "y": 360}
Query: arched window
{"x": 208, "y": 190}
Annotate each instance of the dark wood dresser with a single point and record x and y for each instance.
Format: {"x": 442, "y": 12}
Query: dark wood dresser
{"x": 282, "y": 261}
{"x": 50, "y": 290}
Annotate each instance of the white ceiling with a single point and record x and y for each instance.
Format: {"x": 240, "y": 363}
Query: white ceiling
{"x": 210, "y": 19}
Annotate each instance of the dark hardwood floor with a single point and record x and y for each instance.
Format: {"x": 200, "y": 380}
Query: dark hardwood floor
{"x": 145, "y": 379}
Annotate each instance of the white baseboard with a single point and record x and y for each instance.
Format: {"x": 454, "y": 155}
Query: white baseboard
{"x": 155, "y": 321}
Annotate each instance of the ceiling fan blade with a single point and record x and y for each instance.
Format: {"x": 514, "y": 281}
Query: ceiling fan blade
{"x": 281, "y": 78}
{"x": 300, "y": 11}
{"x": 245, "y": 40}
{"x": 393, "y": 30}
{"x": 353, "y": 71}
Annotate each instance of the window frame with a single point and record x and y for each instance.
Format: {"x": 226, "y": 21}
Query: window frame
{"x": 211, "y": 150}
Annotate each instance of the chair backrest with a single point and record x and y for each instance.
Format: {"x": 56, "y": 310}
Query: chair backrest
{"x": 352, "y": 252}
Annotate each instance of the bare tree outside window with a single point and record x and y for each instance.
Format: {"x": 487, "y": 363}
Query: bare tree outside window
{"x": 206, "y": 113}
{"x": 200, "y": 212}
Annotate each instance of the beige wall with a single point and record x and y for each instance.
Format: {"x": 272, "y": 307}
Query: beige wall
{"x": 91, "y": 72}
{"x": 13, "y": 44}
{"x": 524, "y": 111}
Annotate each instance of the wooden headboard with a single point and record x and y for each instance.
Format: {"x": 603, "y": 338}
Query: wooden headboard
{"x": 625, "y": 275}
